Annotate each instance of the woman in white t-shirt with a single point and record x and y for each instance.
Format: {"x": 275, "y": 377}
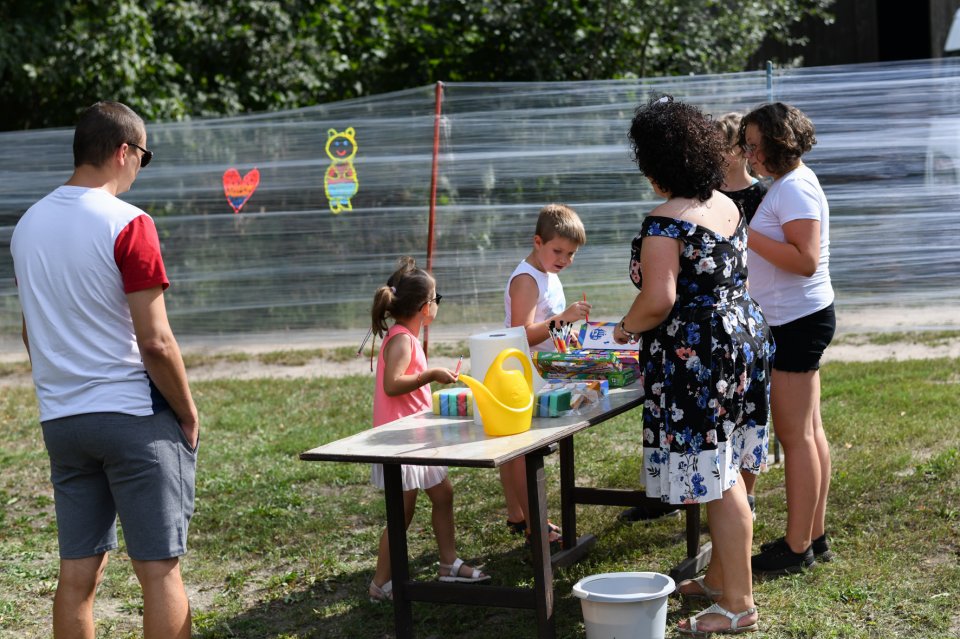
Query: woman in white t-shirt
{"x": 789, "y": 253}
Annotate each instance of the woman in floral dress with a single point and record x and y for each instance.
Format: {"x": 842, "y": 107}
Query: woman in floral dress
{"x": 705, "y": 351}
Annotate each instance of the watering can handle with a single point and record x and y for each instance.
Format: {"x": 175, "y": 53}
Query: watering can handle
{"x": 524, "y": 361}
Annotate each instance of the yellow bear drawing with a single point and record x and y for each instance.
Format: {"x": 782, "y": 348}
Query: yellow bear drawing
{"x": 340, "y": 181}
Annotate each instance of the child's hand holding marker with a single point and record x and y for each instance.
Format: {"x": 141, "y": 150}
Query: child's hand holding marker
{"x": 579, "y": 310}
{"x": 438, "y": 375}
{"x": 560, "y": 327}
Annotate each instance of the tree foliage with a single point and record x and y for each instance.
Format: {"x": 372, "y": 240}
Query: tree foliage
{"x": 172, "y": 59}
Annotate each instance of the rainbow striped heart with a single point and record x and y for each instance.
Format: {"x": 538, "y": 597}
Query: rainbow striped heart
{"x": 238, "y": 190}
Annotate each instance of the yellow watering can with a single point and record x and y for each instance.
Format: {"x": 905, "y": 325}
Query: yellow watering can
{"x": 505, "y": 398}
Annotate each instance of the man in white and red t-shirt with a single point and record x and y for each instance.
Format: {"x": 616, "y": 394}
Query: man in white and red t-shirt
{"x": 119, "y": 422}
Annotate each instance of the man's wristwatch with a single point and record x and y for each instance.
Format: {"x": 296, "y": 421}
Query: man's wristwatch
{"x": 634, "y": 337}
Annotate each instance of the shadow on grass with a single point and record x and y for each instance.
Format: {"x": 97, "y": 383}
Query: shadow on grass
{"x": 340, "y": 608}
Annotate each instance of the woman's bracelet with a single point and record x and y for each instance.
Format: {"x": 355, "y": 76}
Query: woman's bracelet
{"x": 634, "y": 337}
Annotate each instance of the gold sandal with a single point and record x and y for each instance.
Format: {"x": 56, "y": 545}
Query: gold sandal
{"x": 717, "y": 609}
{"x": 706, "y": 592}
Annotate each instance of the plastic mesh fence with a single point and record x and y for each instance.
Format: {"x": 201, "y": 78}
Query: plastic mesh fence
{"x": 888, "y": 156}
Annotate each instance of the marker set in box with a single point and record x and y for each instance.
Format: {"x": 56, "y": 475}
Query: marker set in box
{"x": 564, "y": 339}
{"x": 585, "y": 365}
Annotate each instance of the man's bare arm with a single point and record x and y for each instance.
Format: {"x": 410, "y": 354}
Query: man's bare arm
{"x": 161, "y": 357}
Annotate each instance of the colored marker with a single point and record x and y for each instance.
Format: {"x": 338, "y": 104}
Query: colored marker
{"x": 587, "y": 318}
{"x": 456, "y": 373}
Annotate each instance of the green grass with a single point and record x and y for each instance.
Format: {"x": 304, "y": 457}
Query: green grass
{"x": 281, "y": 548}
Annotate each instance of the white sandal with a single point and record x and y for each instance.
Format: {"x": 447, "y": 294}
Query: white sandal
{"x": 379, "y": 594}
{"x": 453, "y": 573}
{"x": 706, "y": 592}
{"x": 717, "y": 609}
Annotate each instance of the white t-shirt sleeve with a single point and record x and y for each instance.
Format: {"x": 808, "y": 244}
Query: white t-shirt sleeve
{"x": 799, "y": 200}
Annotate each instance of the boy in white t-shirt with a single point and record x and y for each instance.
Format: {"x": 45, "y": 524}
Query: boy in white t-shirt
{"x": 533, "y": 299}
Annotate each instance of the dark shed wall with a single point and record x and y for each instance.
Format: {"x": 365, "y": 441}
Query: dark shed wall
{"x": 869, "y": 31}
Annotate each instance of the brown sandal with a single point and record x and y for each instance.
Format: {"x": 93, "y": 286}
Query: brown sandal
{"x": 517, "y": 527}
{"x": 554, "y": 537}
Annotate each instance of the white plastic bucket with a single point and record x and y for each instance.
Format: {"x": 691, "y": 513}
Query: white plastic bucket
{"x": 624, "y": 605}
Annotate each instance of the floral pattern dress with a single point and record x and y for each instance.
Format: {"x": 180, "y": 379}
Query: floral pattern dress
{"x": 706, "y": 369}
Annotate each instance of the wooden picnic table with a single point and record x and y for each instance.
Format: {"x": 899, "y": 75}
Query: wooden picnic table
{"x": 434, "y": 440}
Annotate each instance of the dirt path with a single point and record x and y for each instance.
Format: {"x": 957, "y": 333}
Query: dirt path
{"x": 851, "y": 344}
{"x": 324, "y": 368}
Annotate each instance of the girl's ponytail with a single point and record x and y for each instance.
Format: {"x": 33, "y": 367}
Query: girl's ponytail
{"x": 407, "y": 290}
{"x": 383, "y": 301}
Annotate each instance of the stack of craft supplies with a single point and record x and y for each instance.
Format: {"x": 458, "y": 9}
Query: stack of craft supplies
{"x": 559, "y": 397}
{"x": 584, "y": 365}
{"x": 456, "y": 402}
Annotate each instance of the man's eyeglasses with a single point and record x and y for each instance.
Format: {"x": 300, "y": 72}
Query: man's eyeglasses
{"x": 145, "y": 158}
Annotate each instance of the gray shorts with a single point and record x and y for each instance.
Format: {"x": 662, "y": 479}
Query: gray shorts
{"x": 107, "y": 464}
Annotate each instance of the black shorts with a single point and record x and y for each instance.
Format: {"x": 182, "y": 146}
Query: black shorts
{"x": 800, "y": 343}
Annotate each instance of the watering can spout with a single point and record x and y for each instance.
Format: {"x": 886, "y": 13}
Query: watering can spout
{"x": 481, "y": 393}
{"x": 505, "y": 397}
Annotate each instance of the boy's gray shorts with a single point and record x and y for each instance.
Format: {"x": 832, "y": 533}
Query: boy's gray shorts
{"x": 107, "y": 464}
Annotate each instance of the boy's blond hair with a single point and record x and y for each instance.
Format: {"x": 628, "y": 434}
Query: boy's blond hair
{"x": 559, "y": 220}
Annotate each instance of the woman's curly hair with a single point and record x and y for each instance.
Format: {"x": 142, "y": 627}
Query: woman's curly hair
{"x": 786, "y": 133}
{"x": 678, "y": 147}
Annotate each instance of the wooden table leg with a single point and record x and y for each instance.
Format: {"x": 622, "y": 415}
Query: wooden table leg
{"x": 568, "y": 507}
{"x": 397, "y": 540}
{"x": 698, "y": 556}
{"x": 542, "y": 569}
{"x": 574, "y": 548}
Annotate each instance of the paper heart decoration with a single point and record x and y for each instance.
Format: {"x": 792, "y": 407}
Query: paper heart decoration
{"x": 238, "y": 190}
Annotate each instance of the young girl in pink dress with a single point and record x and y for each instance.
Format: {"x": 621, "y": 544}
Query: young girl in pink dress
{"x": 403, "y": 388}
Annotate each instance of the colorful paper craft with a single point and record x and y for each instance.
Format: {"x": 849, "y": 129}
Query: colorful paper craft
{"x": 600, "y": 335}
{"x": 238, "y": 190}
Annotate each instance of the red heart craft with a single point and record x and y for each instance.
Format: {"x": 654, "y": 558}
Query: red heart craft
{"x": 237, "y": 190}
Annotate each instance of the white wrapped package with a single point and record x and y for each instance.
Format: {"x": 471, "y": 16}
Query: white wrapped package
{"x": 484, "y": 348}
